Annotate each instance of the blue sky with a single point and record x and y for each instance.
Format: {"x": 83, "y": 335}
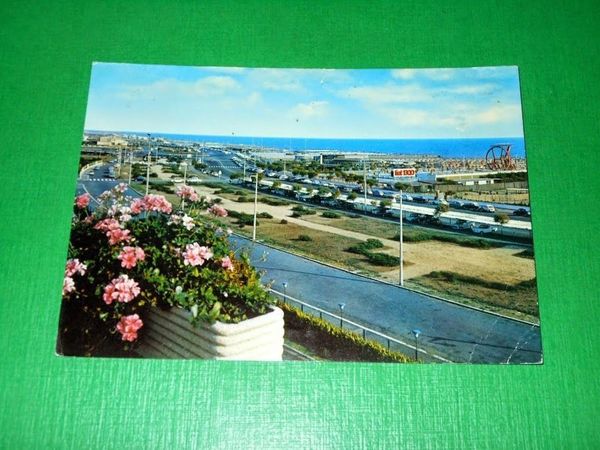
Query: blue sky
{"x": 312, "y": 103}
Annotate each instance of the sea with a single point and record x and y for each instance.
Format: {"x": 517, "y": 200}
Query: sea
{"x": 446, "y": 148}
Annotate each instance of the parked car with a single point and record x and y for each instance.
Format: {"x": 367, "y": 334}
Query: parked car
{"x": 473, "y": 206}
{"x": 439, "y": 202}
{"x": 407, "y": 198}
{"x": 483, "y": 228}
{"x": 487, "y": 208}
{"x": 456, "y": 203}
{"x": 461, "y": 224}
{"x": 521, "y": 212}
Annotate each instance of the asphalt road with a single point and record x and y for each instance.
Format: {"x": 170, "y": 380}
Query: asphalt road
{"x": 457, "y": 333}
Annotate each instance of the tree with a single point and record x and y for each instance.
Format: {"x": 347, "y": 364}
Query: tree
{"x": 440, "y": 209}
{"x": 386, "y": 203}
{"x": 352, "y": 196}
{"x": 276, "y": 184}
{"x": 501, "y": 218}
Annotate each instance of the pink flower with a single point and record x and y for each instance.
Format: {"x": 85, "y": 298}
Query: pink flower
{"x": 157, "y": 203}
{"x": 122, "y": 289}
{"x": 196, "y": 255}
{"x": 227, "y": 264}
{"x": 117, "y": 235}
{"x": 128, "y": 327}
{"x": 130, "y": 256}
{"x": 218, "y": 211}
{"x": 188, "y": 192}
{"x": 74, "y": 266}
{"x": 137, "y": 206}
{"x": 121, "y": 187}
{"x": 82, "y": 201}
{"x": 107, "y": 225}
{"x": 68, "y": 285}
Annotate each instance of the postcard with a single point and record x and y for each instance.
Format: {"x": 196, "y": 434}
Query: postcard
{"x": 373, "y": 215}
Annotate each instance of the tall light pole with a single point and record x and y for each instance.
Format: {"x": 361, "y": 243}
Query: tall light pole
{"x": 255, "y": 208}
{"x": 401, "y": 242}
{"x": 184, "y": 164}
{"x": 130, "y": 164}
{"x": 416, "y": 332}
{"x": 341, "y": 306}
{"x": 365, "y": 183}
{"x": 148, "y": 157}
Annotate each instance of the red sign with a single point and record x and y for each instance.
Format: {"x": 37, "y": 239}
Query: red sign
{"x": 404, "y": 172}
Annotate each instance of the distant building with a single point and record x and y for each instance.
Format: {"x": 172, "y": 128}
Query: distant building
{"x": 111, "y": 141}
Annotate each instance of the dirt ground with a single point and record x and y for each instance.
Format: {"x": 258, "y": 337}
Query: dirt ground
{"x": 495, "y": 264}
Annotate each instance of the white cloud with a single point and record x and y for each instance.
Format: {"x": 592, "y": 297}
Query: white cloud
{"x": 310, "y": 110}
{"x": 170, "y": 88}
{"x": 276, "y": 80}
{"x": 404, "y": 74}
{"x": 389, "y": 93}
{"x": 497, "y": 114}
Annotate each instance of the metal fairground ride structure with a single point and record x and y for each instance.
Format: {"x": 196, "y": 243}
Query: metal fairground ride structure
{"x": 498, "y": 157}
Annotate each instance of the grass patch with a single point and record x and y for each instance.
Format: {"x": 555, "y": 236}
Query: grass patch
{"x": 520, "y": 297}
{"x": 329, "y": 342}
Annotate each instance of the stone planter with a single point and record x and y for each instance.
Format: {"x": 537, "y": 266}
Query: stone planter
{"x": 169, "y": 334}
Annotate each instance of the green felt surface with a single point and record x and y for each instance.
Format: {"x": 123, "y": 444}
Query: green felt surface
{"x": 52, "y": 402}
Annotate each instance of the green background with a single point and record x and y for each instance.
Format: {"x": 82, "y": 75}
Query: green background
{"x": 52, "y": 402}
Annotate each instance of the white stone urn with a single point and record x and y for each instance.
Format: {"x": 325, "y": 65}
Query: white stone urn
{"x": 169, "y": 334}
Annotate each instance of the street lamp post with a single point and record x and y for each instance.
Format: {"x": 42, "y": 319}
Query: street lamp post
{"x": 148, "y": 157}
{"x": 255, "y": 208}
{"x": 285, "y": 285}
{"x": 341, "y": 306}
{"x": 401, "y": 243}
{"x": 416, "y": 332}
{"x": 184, "y": 164}
{"x": 130, "y": 164}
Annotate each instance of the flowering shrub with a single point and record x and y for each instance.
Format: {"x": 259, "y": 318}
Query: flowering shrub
{"x": 130, "y": 255}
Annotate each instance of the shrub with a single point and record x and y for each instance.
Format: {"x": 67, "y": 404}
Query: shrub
{"x": 304, "y": 237}
{"x": 331, "y": 215}
{"x": 273, "y": 201}
{"x": 383, "y": 259}
{"x": 300, "y": 210}
{"x": 244, "y": 199}
{"x": 283, "y": 222}
{"x": 264, "y": 215}
{"x": 339, "y": 343}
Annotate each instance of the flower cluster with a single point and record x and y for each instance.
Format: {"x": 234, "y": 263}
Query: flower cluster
{"x": 130, "y": 256}
{"x": 83, "y": 200}
{"x": 114, "y": 231}
{"x": 151, "y": 202}
{"x": 156, "y": 259}
{"x": 187, "y": 193}
{"x": 74, "y": 266}
{"x": 128, "y": 327}
{"x": 196, "y": 255}
{"x": 122, "y": 289}
{"x": 217, "y": 210}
